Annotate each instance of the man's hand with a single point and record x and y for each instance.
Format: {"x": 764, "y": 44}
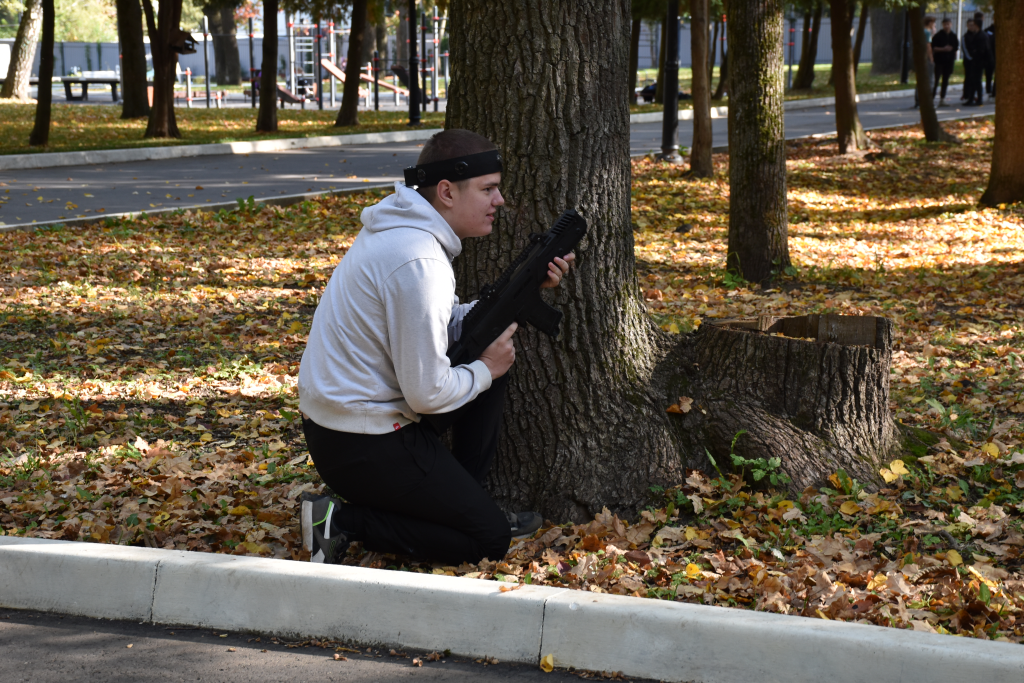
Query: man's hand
{"x": 499, "y": 356}
{"x": 556, "y": 269}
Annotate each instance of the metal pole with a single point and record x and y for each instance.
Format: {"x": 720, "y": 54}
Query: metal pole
{"x": 414, "y": 66}
{"x": 434, "y": 61}
{"x": 447, "y": 62}
{"x": 670, "y": 120}
{"x": 423, "y": 59}
{"x": 319, "y": 68}
{"x": 904, "y": 62}
{"x": 291, "y": 55}
{"x": 252, "y": 66}
{"x": 959, "y": 26}
{"x": 330, "y": 56}
{"x": 206, "y": 58}
{"x": 376, "y": 80}
{"x": 792, "y": 46}
{"x": 188, "y": 88}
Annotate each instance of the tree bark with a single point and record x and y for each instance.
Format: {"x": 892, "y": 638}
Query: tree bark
{"x": 713, "y": 52}
{"x": 162, "y": 123}
{"x": 232, "y": 60}
{"x": 217, "y": 39}
{"x": 266, "y": 119}
{"x": 933, "y": 131}
{"x": 723, "y": 76}
{"x": 700, "y": 149}
{"x": 848, "y": 127}
{"x": 402, "y": 36}
{"x": 40, "y": 135}
{"x": 634, "y": 58}
{"x": 348, "y": 115}
{"x": 818, "y": 405}
{"x": 583, "y": 426}
{"x": 809, "y": 48}
{"x": 1006, "y": 181}
{"x": 758, "y": 240}
{"x": 886, "y": 40}
{"x": 134, "y": 94}
{"x": 659, "y": 85}
{"x": 862, "y": 25}
{"x": 23, "y": 52}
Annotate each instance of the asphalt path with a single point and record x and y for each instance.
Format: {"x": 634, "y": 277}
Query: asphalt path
{"x": 45, "y": 648}
{"x": 54, "y": 194}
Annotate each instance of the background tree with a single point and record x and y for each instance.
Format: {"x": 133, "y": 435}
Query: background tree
{"x": 1006, "y": 182}
{"x": 40, "y": 135}
{"x": 700, "y": 150}
{"x": 641, "y": 11}
{"x": 858, "y": 43}
{"x": 848, "y": 127}
{"x": 163, "y": 30}
{"x": 348, "y": 115}
{"x": 804, "y": 78}
{"x": 886, "y": 39}
{"x": 758, "y": 228}
{"x": 23, "y": 52}
{"x": 223, "y": 27}
{"x": 266, "y": 118}
{"x": 134, "y": 86}
{"x": 723, "y": 73}
{"x": 933, "y": 131}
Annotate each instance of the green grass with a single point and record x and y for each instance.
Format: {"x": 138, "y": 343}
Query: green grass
{"x": 76, "y": 128}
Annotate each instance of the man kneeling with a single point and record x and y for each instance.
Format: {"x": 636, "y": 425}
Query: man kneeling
{"x": 376, "y": 389}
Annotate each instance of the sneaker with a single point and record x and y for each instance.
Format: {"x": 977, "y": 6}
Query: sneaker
{"x": 323, "y": 539}
{"x": 523, "y": 524}
{"x": 942, "y": 102}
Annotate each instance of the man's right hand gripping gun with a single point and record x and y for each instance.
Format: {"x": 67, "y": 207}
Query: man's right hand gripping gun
{"x": 515, "y": 296}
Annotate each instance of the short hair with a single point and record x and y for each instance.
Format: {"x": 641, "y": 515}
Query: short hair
{"x": 449, "y": 144}
{"x": 929, "y": 20}
{"x": 947, "y": 20}
{"x": 979, "y": 16}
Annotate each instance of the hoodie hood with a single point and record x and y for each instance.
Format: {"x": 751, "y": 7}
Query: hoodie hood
{"x": 407, "y": 208}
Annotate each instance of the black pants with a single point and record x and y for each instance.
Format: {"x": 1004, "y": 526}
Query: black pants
{"x": 943, "y": 70}
{"x": 972, "y": 81}
{"x": 990, "y": 72}
{"x": 407, "y": 493}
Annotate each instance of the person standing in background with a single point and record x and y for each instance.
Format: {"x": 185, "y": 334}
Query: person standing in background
{"x": 976, "y": 54}
{"x": 944, "y": 47}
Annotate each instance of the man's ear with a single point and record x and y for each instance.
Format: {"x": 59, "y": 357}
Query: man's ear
{"x": 444, "y": 194}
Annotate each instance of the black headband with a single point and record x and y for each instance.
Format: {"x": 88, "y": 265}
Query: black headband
{"x": 459, "y": 168}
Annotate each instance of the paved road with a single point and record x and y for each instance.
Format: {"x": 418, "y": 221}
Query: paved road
{"x": 46, "y": 195}
{"x": 45, "y": 648}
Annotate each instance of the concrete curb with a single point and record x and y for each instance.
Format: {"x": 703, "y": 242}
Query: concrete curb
{"x": 274, "y": 200}
{"x": 12, "y": 162}
{"x": 790, "y": 105}
{"x": 639, "y": 637}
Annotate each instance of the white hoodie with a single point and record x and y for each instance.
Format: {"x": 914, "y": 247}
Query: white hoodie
{"x": 375, "y": 359}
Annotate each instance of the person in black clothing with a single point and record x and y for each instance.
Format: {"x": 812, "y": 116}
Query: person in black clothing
{"x": 944, "y": 47}
{"x": 976, "y": 54}
{"x": 990, "y": 62}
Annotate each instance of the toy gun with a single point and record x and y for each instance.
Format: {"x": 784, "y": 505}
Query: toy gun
{"x": 515, "y": 296}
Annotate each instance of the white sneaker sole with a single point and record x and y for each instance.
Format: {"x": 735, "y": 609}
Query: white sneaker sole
{"x": 306, "y": 522}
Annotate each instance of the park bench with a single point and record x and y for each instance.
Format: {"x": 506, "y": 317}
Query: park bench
{"x": 90, "y": 78}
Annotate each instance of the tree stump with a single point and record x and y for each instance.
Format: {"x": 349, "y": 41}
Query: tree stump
{"x": 812, "y": 391}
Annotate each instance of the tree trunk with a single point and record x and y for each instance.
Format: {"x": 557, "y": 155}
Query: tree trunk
{"x": 933, "y": 131}
{"x": 162, "y": 123}
{"x": 723, "y": 76}
{"x": 23, "y": 52}
{"x": 1006, "y": 182}
{"x": 818, "y": 405}
{"x": 40, "y": 135}
{"x": 402, "y": 36}
{"x": 809, "y": 49}
{"x": 862, "y": 25}
{"x": 348, "y": 115}
{"x": 659, "y": 85}
{"x": 266, "y": 119}
{"x": 134, "y": 95}
{"x": 700, "y": 150}
{"x": 583, "y": 429}
{"x": 232, "y": 60}
{"x": 713, "y": 52}
{"x": 758, "y": 241}
{"x": 848, "y": 127}
{"x": 217, "y": 38}
{"x": 886, "y": 40}
{"x": 634, "y": 58}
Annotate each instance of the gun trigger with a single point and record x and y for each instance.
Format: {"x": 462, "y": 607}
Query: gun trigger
{"x": 545, "y": 318}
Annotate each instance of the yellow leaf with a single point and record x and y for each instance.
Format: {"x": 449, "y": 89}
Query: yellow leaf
{"x": 206, "y": 437}
{"x": 898, "y": 467}
{"x": 953, "y": 557}
{"x": 239, "y": 511}
{"x": 295, "y": 327}
{"x": 786, "y": 505}
{"x": 691, "y": 533}
{"x": 991, "y": 449}
{"x": 877, "y": 581}
{"x": 161, "y": 518}
{"x": 547, "y": 663}
{"x": 849, "y": 508}
{"x": 693, "y": 571}
{"x": 888, "y": 475}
